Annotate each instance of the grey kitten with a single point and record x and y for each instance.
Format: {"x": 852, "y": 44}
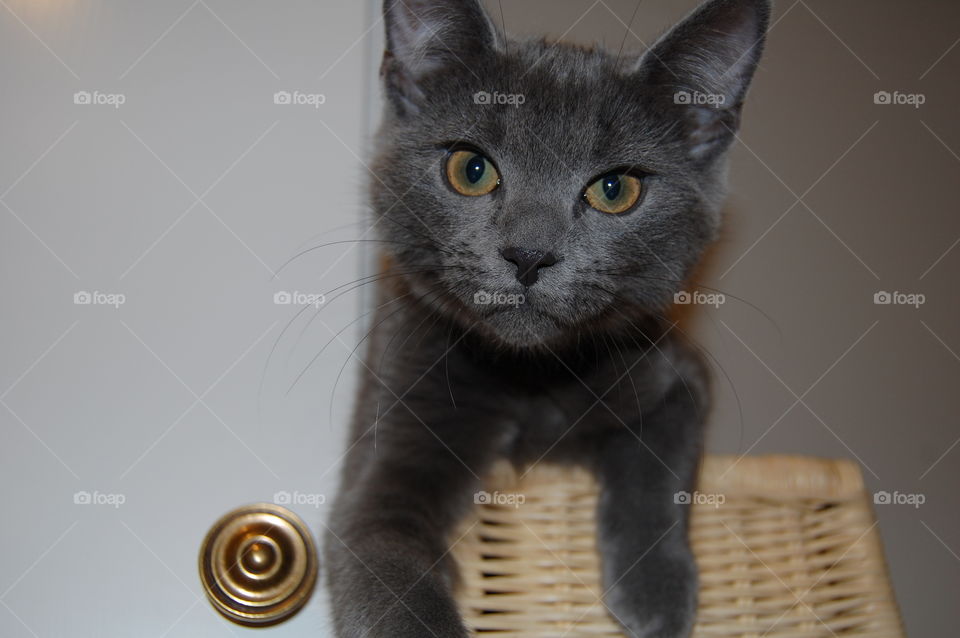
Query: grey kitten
{"x": 538, "y": 206}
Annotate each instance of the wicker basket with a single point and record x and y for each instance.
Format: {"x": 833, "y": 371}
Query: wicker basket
{"x": 792, "y": 552}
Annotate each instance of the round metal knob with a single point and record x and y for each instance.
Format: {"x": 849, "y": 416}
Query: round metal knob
{"x": 258, "y": 564}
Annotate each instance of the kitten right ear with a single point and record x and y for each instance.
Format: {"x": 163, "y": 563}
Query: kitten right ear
{"x": 704, "y": 66}
{"x": 425, "y": 35}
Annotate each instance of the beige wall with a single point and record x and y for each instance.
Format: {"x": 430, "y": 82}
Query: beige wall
{"x": 877, "y": 215}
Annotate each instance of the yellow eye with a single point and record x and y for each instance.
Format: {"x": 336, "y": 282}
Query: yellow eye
{"x": 614, "y": 193}
{"x": 471, "y": 174}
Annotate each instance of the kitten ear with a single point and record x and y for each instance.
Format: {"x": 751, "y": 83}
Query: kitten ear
{"x": 425, "y": 35}
{"x": 703, "y": 68}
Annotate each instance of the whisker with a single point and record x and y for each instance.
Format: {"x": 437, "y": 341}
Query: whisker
{"x": 336, "y": 335}
{"x": 430, "y": 312}
{"x": 330, "y": 231}
{"x": 371, "y": 279}
{"x": 654, "y": 345}
{"x": 627, "y": 32}
{"x": 307, "y": 251}
{"x": 434, "y": 243}
{"x": 503, "y": 24}
{"x": 701, "y": 348}
{"x": 626, "y": 274}
{"x": 446, "y": 365}
{"x": 359, "y": 343}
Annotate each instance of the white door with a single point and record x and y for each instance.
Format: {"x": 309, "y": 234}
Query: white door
{"x": 161, "y": 161}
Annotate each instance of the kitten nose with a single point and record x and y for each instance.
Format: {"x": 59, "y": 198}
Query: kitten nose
{"x": 528, "y": 262}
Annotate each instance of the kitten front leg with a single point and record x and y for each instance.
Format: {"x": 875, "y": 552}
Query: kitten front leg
{"x": 387, "y": 547}
{"x": 649, "y": 572}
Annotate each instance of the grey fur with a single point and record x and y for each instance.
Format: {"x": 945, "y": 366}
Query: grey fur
{"x": 586, "y": 370}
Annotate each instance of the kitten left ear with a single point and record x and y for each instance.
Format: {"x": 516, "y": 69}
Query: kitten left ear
{"x": 425, "y": 35}
{"x": 704, "y": 66}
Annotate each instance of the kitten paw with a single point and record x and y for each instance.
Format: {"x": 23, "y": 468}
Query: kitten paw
{"x": 657, "y": 598}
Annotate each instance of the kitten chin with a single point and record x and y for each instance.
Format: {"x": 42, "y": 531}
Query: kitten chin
{"x": 506, "y": 321}
{"x": 523, "y": 327}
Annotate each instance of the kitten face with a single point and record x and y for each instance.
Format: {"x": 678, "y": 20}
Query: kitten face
{"x": 533, "y": 191}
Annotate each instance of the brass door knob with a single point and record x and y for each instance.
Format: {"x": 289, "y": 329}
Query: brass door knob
{"x": 258, "y": 564}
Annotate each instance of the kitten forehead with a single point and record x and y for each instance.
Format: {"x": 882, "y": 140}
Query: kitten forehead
{"x": 565, "y": 60}
{"x": 576, "y": 109}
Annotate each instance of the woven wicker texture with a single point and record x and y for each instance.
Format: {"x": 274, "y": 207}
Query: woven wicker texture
{"x": 793, "y": 551}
